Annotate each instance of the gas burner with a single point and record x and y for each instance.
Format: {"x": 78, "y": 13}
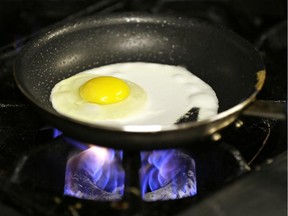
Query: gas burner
{"x": 38, "y": 176}
{"x": 99, "y": 174}
{"x": 95, "y": 174}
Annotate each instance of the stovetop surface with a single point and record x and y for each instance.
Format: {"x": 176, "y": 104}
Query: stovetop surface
{"x": 253, "y": 166}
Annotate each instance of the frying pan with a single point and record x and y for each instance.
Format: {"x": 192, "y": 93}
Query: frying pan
{"x": 229, "y": 64}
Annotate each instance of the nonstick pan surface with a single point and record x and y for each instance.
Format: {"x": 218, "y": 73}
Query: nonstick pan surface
{"x": 229, "y": 64}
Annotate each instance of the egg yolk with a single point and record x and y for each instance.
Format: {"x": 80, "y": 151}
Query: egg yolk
{"x": 104, "y": 90}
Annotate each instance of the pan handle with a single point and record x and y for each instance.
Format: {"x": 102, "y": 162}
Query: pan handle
{"x": 267, "y": 109}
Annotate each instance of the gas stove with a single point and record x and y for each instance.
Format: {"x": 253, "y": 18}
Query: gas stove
{"x": 241, "y": 172}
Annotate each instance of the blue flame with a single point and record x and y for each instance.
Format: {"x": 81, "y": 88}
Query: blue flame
{"x": 167, "y": 174}
{"x": 95, "y": 174}
{"x": 77, "y": 144}
{"x": 56, "y": 133}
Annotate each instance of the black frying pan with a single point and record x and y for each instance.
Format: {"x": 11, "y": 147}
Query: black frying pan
{"x": 229, "y": 64}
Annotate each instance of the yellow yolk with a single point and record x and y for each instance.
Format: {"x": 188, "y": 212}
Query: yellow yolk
{"x": 104, "y": 90}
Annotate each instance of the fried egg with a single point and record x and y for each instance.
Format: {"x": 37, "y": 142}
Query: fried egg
{"x": 135, "y": 93}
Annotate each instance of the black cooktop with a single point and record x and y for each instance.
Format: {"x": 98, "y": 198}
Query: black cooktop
{"x": 245, "y": 173}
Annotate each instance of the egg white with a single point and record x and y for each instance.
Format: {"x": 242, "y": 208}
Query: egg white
{"x": 66, "y": 99}
{"x": 160, "y": 94}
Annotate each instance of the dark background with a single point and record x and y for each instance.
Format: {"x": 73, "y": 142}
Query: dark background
{"x": 19, "y": 18}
